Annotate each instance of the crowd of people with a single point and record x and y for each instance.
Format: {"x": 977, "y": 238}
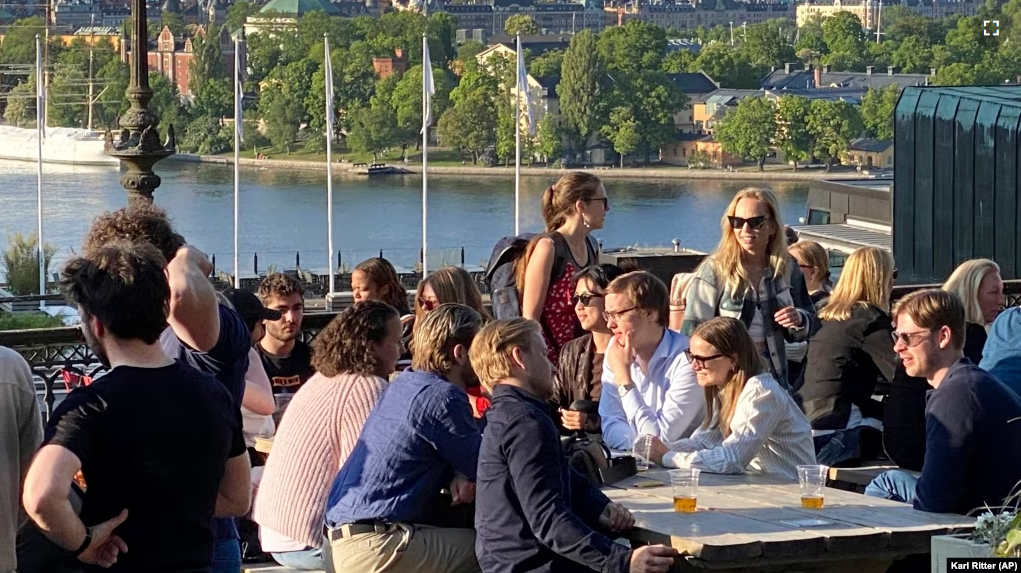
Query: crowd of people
{"x": 424, "y": 434}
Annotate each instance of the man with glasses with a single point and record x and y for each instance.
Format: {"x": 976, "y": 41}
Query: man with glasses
{"x": 972, "y": 421}
{"x": 654, "y": 388}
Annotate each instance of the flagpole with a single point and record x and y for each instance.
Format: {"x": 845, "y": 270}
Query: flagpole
{"x": 329, "y": 162}
{"x": 517, "y": 146}
{"x": 40, "y": 134}
{"x": 237, "y": 152}
{"x": 425, "y": 155}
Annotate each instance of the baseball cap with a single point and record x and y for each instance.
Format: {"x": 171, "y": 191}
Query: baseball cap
{"x": 250, "y": 307}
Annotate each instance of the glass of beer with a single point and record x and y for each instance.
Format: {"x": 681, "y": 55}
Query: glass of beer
{"x": 812, "y": 480}
{"x": 641, "y": 452}
{"x": 685, "y": 486}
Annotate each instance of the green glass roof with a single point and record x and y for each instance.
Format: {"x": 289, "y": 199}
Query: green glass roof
{"x": 300, "y": 7}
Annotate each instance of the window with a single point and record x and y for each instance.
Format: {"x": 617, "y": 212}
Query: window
{"x": 818, "y": 217}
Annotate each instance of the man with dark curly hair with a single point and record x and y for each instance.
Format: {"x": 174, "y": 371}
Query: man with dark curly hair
{"x": 286, "y": 358}
{"x": 202, "y": 333}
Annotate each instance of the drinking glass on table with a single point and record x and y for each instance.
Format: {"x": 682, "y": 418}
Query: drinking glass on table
{"x": 642, "y": 446}
{"x": 281, "y": 400}
{"x": 812, "y": 480}
{"x": 685, "y": 488}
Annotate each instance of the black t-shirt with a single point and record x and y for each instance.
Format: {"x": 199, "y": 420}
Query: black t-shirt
{"x": 153, "y": 441}
{"x": 287, "y": 374}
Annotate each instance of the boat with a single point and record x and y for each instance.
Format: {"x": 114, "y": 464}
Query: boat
{"x": 66, "y": 145}
{"x": 374, "y": 169}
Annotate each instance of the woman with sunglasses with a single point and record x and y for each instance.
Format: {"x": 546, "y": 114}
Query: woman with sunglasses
{"x": 751, "y": 424}
{"x": 581, "y": 359}
{"x": 846, "y": 358}
{"x": 572, "y": 208}
{"x": 751, "y": 277}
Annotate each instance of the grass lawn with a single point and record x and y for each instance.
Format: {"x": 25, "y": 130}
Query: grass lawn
{"x": 25, "y": 321}
{"x": 437, "y": 156}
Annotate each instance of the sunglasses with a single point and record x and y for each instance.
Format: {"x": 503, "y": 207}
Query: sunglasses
{"x": 910, "y": 339}
{"x": 605, "y": 200}
{"x": 428, "y": 304}
{"x": 699, "y": 361}
{"x": 753, "y": 222}
{"x": 584, "y": 299}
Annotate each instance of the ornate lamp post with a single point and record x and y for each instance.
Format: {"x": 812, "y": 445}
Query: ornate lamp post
{"x": 139, "y": 146}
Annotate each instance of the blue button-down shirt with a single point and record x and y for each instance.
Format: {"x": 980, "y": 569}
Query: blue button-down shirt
{"x": 419, "y": 434}
{"x": 533, "y": 512}
{"x": 667, "y": 401}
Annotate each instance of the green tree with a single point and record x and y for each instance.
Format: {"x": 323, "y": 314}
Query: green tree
{"x": 832, "y": 125}
{"x": 547, "y": 65}
{"x": 68, "y": 105}
{"x": 506, "y": 143}
{"x": 581, "y": 90}
{"x": 282, "y": 113}
{"x": 406, "y": 100}
{"x": 19, "y": 41}
{"x": 728, "y": 66}
{"x": 678, "y": 62}
{"x": 764, "y": 44}
{"x": 623, "y": 132}
{"x": 749, "y": 129}
{"x": 467, "y": 51}
{"x": 207, "y": 136}
{"x": 877, "y": 109}
{"x": 912, "y": 56}
{"x": 442, "y": 31}
{"x": 21, "y": 103}
{"x": 549, "y": 138}
{"x": 238, "y": 12}
{"x": 845, "y": 41}
{"x": 21, "y": 263}
{"x": 373, "y": 129}
{"x": 521, "y": 23}
{"x": 792, "y": 136}
{"x": 470, "y": 126}
{"x": 166, "y": 102}
{"x": 653, "y": 101}
{"x": 208, "y": 80}
{"x": 633, "y": 47}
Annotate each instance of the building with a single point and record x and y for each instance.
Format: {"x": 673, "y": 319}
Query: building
{"x": 695, "y": 144}
{"x": 172, "y": 56}
{"x": 481, "y": 20}
{"x": 868, "y": 153}
{"x": 282, "y": 15}
{"x": 396, "y": 64}
{"x": 94, "y": 36}
{"x": 75, "y": 13}
{"x": 792, "y": 77}
{"x": 696, "y": 86}
{"x": 689, "y": 16}
{"x": 506, "y": 46}
{"x": 115, "y": 15}
{"x": 869, "y": 12}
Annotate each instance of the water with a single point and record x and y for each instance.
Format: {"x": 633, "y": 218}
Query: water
{"x": 284, "y": 211}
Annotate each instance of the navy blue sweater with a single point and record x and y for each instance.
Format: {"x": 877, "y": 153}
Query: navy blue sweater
{"x": 533, "y": 511}
{"x": 972, "y": 442}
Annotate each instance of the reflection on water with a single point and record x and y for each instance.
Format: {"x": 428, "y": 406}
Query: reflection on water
{"x": 283, "y": 211}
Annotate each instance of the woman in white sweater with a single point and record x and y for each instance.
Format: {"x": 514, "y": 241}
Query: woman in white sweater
{"x": 752, "y": 424}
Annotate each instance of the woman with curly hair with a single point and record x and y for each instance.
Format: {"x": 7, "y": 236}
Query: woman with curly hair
{"x": 353, "y": 356}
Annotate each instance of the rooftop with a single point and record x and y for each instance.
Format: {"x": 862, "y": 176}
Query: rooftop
{"x": 299, "y": 7}
{"x": 805, "y": 79}
{"x": 693, "y": 83}
{"x": 869, "y": 144}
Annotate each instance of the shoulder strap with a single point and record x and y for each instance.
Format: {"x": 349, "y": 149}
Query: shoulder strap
{"x": 561, "y": 251}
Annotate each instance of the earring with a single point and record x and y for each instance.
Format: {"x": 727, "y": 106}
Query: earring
{"x": 586, "y": 223}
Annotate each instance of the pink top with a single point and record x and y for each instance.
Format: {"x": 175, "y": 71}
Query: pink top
{"x": 317, "y": 434}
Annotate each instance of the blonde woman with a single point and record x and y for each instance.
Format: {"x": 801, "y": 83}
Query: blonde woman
{"x": 448, "y": 285}
{"x": 751, "y": 425}
{"x": 814, "y": 262}
{"x": 978, "y": 284}
{"x": 852, "y": 349}
{"x": 751, "y": 277}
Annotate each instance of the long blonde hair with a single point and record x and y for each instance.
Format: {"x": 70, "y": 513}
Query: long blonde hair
{"x": 731, "y": 339}
{"x": 865, "y": 279}
{"x": 727, "y": 256}
{"x": 965, "y": 281}
{"x": 451, "y": 285}
{"x": 814, "y": 256}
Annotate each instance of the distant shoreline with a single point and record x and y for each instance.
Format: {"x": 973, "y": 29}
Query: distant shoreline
{"x": 616, "y": 173}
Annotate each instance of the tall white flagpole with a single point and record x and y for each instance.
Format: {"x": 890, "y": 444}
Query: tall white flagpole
{"x": 238, "y": 128}
{"x": 329, "y": 162}
{"x": 427, "y": 90}
{"x": 517, "y": 145}
{"x": 40, "y": 106}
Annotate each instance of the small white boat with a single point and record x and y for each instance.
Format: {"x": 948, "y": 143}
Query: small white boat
{"x": 61, "y": 145}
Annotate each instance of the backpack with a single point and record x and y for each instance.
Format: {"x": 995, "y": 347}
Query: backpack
{"x": 501, "y": 278}
{"x": 587, "y": 457}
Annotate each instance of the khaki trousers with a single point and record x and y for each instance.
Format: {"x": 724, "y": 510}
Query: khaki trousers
{"x": 406, "y": 548}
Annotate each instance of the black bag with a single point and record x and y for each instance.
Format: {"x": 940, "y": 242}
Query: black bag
{"x": 587, "y": 456}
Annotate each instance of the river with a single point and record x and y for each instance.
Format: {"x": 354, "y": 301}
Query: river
{"x": 284, "y": 211}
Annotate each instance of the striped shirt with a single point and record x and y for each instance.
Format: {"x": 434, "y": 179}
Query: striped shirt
{"x": 769, "y": 435}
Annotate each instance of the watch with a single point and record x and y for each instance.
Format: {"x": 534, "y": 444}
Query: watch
{"x": 85, "y": 544}
{"x": 623, "y": 390}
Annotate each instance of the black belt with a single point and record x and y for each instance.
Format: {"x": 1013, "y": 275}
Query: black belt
{"x": 357, "y": 528}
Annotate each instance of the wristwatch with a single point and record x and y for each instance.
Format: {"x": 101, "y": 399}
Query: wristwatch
{"x": 85, "y": 544}
{"x": 624, "y": 389}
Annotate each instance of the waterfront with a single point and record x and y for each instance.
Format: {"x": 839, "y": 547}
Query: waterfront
{"x": 284, "y": 211}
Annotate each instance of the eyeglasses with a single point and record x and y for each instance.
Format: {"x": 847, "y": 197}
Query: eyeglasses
{"x": 699, "y": 361}
{"x": 910, "y": 339}
{"x": 615, "y": 316}
{"x": 428, "y": 304}
{"x": 753, "y": 222}
{"x": 605, "y": 200}
{"x": 584, "y": 299}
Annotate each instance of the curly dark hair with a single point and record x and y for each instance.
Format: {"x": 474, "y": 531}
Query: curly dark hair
{"x": 144, "y": 223}
{"x": 279, "y": 285}
{"x": 343, "y": 346}
{"x": 125, "y": 286}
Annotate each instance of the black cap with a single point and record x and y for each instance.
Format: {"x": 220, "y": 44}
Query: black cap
{"x": 250, "y": 307}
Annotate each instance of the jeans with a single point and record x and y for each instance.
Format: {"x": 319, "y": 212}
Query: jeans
{"x": 307, "y": 560}
{"x": 226, "y": 556}
{"x": 894, "y": 485}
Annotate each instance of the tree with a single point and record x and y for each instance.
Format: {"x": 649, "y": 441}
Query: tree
{"x": 749, "y": 129}
{"x": 208, "y": 81}
{"x": 206, "y": 136}
{"x": 506, "y": 142}
{"x": 877, "y": 108}
{"x": 174, "y": 22}
{"x": 845, "y": 40}
{"x": 282, "y": 113}
{"x": 728, "y": 66}
{"x": 633, "y": 47}
{"x": 406, "y": 100}
{"x": 764, "y": 44}
{"x": 832, "y": 125}
{"x": 792, "y": 136}
{"x": 623, "y": 132}
{"x": 521, "y": 23}
{"x": 442, "y": 30}
{"x": 678, "y": 62}
{"x": 912, "y": 56}
{"x": 238, "y": 12}
{"x": 373, "y": 129}
{"x": 467, "y": 51}
{"x": 21, "y": 263}
{"x": 166, "y": 101}
{"x": 653, "y": 101}
{"x": 546, "y": 65}
{"x": 470, "y": 126}
{"x": 21, "y": 103}
{"x": 549, "y": 138}
{"x": 19, "y": 41}
{"x": 581, "y": 89}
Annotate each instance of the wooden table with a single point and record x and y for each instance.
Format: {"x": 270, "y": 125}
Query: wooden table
{"x": 263, "y": 445}
{"x": 747, "y": 523}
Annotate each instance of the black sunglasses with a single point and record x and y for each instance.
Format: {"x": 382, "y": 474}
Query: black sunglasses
{"x": 700, "y": 361}
{"x": 753, "y": 222}
{"x": 585, "y": 299}
{"x": 605, "y": 200}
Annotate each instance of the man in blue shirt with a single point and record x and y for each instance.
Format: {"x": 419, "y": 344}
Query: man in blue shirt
{"x": 972, "y": 426}
{"x": 649, "y": 386}
{"x": 535, "y": 513}
{"x": 385, "y": 505}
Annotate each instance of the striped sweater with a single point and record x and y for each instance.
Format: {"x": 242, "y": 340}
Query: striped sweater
{"x": 316, "y": 435}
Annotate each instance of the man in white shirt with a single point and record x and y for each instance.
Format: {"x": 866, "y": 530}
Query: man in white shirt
{"x": 650, "y": 388}
{"x": 21, "y": 431}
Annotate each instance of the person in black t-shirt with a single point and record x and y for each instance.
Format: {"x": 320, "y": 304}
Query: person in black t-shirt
{"x": 158, "y": 442}
{"x": 287, "y": 359}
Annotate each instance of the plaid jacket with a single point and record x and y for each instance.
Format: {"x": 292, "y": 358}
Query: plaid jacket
{"x": 708, "y": 298}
